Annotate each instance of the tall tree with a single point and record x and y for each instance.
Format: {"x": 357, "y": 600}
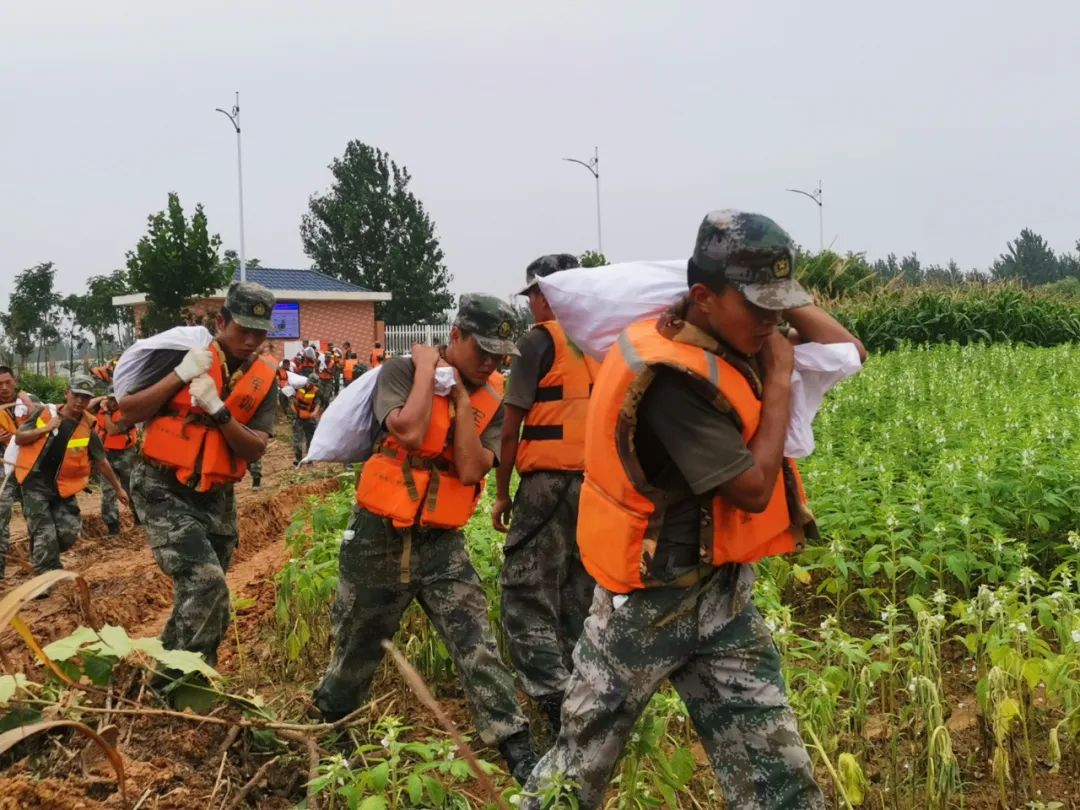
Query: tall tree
{"x": 174, "y": 264}
{"x": 371, "y": 230}
{"x": 30, "y": 321}
{"x": 1028, "y": 259}
{"x": 592, "y": 258}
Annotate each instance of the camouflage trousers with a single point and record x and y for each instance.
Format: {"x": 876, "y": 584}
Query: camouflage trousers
{"x": 192, "y": 536}
{"x": 121, "y": 462}
{"x": 255, "y": 468}
{"x": 712, "y": 644}
{"x": 381, "y": 571}
{"x": 302, "y": 432}
{"x": 11, "y": 493}
{"x": 53, "y": 523}
{"x": 326, "y": 388}
{"x": 546, "y": 591}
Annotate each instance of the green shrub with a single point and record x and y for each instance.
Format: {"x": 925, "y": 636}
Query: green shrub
{"x": 47, "y": 389}
{"x": 888, "y": 318}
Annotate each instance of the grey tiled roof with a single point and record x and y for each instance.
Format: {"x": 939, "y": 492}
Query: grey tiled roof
{"x": 280, "y": 278}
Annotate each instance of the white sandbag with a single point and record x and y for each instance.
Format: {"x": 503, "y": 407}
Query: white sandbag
{"x": 594, "y": 305}
{"x": 297, "y": 380}
{"x": 818, "y": 367}
{"x": 133, "y": 360}
{"x": 345, "y": 430}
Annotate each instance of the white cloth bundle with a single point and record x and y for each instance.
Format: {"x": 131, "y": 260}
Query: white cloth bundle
{"x": 345, "y": 430}
{"x": 133, "y": 360}
{"x": 594, "y": 305}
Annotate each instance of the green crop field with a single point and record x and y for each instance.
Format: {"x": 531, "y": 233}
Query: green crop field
{"x": 931, "y": 639}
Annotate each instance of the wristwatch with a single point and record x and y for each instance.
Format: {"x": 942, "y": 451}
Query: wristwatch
{"x": 222, "y": 417}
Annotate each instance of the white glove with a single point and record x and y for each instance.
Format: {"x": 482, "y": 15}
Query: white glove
{"x": 204, "y": 394}
{"x": 195, "y": 362}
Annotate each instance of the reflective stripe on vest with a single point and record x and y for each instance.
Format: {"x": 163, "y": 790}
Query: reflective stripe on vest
{"x": 421, "y": 487}
{"x": 553, "y": 435}
{"x": 184, "y": 439}
{"x": 620, "y": 514}
{"x": 74, "y": 472}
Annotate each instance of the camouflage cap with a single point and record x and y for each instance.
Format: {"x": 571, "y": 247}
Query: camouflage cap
{"x": 488, "y": 319}
{"x": 312, "y": 379}
{"x": 250, "y": 305}
{"x": 545, "y": 266}
{"x": 753, "y": 254}
{"x": 82, "y": 384}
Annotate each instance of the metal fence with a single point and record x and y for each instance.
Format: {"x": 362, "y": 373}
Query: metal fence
{"x": 399, "y": 339}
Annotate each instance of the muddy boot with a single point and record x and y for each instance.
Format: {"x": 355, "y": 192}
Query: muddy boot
{"x": 551, "y": 706}
{"x": 520, "y": 758}
{"x": 113, "y": 527}
{"x": 256, "y": 483}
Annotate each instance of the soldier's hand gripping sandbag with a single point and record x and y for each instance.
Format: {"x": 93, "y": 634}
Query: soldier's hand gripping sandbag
{"x": 195, "y": 362}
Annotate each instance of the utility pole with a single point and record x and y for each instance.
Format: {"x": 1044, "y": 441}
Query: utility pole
{"x": 815, "y": 195}
{"x": 593, "y": 165}
{"x": 234, "y": 119}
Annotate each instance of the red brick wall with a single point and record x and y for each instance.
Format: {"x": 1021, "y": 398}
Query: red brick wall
{"x": 319, "y": 320}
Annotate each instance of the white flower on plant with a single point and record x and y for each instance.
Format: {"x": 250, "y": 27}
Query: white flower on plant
{"x": 1020, "y": 627}
{"x": 965, "y": 521}
{"x": 515, "y": 799}
{"x": 891, "y": 522}
{"x": 940, "y": 598}
{"x": 916, "y": 507}
{"x": 1076, "y": 636}
{"x": 1074, "y": 540}
{"x": 1026, "y": 578}
{"x": 385, "y": 742}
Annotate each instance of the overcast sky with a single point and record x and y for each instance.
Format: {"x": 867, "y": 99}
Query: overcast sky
{"x": 942, "y": 128}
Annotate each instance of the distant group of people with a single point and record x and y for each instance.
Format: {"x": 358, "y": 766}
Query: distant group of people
{"x": 649, "y": 485}
{"x": 327, "y": 373}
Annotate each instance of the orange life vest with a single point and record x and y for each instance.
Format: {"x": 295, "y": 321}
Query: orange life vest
{"x": 103, "y": 373}
{"x": 75, "y": 469}
{"x": 421, "y": 486}
{"x": 282, "y": 376}
{"x": 349, "y": 369}
{"x": 553, "y": 436}
{"x": 330, "y": 367}
{"x": 305, "y": 365}
{"x": 185, "y": 440}
{"x": 620, "y": 514}
{"x": 303, "y": 403}
{"x": 115, "y": 441}
{"x": 376, "y": 357}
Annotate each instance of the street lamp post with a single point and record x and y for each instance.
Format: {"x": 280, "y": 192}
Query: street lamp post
{"x": 815, "y": 195}
{"x": 593, "y": 165}
{"x": 234, "y": 119}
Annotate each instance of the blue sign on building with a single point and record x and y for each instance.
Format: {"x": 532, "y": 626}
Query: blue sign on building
{"x": 286, "y": 318}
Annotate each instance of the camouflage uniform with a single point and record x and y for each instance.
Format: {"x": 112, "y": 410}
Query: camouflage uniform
{"x": 713, "y": 646}
{"x": 382, "y": 571}
{"x": 121, "y": 462}
{"x": 255, "y": 468}
{"x": 192, "y": 536}
{"x": 546, "y": 592}
{"x": 54, "y": 523}
{"x": 11, "y": 493}
{"x": 303, "y": 430}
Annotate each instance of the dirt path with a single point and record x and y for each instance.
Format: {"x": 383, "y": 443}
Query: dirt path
{"x": 126, "y": 586}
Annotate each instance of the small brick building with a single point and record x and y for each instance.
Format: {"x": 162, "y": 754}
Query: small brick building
{"x": 309, "y": 306}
